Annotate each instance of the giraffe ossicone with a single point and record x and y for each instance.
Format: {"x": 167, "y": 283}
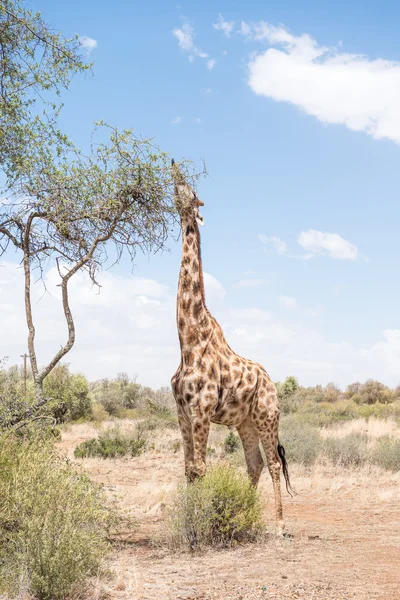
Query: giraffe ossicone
{"x": 212, "y": 382}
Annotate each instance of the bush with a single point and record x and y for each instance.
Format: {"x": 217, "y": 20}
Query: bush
{"x": 288, "y": 388}
{"x": 99, "y": 414}
{"x": 231, "y": 443}
{"x": 160, "y": 421}
{"x": 219, "y": 510}
{"x": 68, "y": 395}
{"x": 380, "y": 411}
{"x": 349, "y": 451}
{"x": 113, "y": 443}
{"x": 53, "y": 522}
{"x": 302, "y": 442}
{"x": 386, "y": 454}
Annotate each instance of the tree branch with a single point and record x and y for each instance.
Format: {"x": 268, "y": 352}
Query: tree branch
{"x": 65, "y": 299}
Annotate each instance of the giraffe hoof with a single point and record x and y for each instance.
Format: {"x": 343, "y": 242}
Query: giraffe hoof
{"x": 280, "y": 528}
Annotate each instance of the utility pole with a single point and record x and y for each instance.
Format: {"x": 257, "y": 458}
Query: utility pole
{"x": 24, "y": 356}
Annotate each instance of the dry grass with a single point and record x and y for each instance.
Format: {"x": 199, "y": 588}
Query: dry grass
{"x": 344, "y": 523}
{"x": 373, "y": 428}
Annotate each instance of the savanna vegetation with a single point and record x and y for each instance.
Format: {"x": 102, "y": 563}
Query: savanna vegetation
{"x": 131, "y": 420}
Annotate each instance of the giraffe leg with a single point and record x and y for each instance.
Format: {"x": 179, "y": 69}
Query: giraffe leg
{"x": 251, "y": 446}
{"x": 265, "y": 418}
{"x": 270, "y": 444}
{"x": 187, "y": 438}
{"x": 200, "y": 431}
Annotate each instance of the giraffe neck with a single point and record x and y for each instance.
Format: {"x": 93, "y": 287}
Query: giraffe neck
{"x": 192, "y": 313}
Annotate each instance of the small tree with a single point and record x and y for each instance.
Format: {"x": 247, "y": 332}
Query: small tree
{"x": 288, "y": 388}
{"x": 353, "y": 389}
{"x": 70, "y": 210}
{"x": 374, "y": 391}
{"x": 62, "y": 207}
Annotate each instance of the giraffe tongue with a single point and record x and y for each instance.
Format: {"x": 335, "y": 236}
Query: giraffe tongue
{"x": 199, "y": 218}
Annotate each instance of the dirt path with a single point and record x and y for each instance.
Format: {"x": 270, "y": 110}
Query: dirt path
{"x": 345, "y": 545}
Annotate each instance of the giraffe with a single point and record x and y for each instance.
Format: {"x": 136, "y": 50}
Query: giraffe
{"x": 212, "y": 382}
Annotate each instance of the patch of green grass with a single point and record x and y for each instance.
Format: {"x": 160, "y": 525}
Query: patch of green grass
{"x": 113, "y": 443}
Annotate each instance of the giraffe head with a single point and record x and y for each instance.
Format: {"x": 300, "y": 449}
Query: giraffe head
{"x": 186, "y": 200}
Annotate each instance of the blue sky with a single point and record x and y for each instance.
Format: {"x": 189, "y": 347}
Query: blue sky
{"x": 295, "y": 108}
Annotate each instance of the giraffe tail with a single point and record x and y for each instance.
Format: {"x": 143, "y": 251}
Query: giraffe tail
{"x": 282, "y": 456}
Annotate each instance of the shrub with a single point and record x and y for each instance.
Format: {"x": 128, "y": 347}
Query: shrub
{"x": 99, "y": 413}
{"x": 219, "y": 510}
{"x": 113, "y": 443}
{"x": 53, "y": 522}
{"x": 386, "y": 454}
{"x": 380, "y": 411}
{"x": 68, "y": 395}
{"x": 374, "y": 391}
{"x": 160, "y": 421}
{"x": 302, "y": 442}
{"x": 231, "y": 443}
{"x": 349, "y": 451}
{"x": 287, "y": 388}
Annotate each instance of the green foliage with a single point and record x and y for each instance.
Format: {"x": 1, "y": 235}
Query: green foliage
{"x": 117, "y": 394}
{"x": 68, "y": 395}
{"x": 348, "y": 451}
{"x": 122, "y": 394}
{"x": 221, "y": 509}
{"x": 53, "y": 522}
{"x": 98, "y": 413}
{"x": 231, "y": 443}
{"x": 288, "y": 388}
{"x": 13, "y": 404}
{"x": 386, "y": 453}
{"x": 36, "y": 64}
{"x": 374, "y": 391}
{"x": 302, "y": 442}
{"x": 113, "y": 443}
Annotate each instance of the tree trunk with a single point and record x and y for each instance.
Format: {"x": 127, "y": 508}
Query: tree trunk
{"x": 38, "y": 391}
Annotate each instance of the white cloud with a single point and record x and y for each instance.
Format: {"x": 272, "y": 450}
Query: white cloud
{"x": 278, "y": 346}
{"x": 279, "y": 245}
{"x": 225, "y": 26}
{"x": 211, "y": 63}
{"x": 206, "y": 91}
{"x": 185, "y": 36}
{"x": 315, "y": 242}
{"x": 87, "y": 43}
{"x": 332, "y": 244}
{"x": 287, "y": 301}
{"x": 333, "y": 86}
{"x": 198, "y": 120}
{"x": 176, "y": 120}
{"x": 214, "y": 289}
{"x": 130, "y": 326}
{"x": 251, "y": 282}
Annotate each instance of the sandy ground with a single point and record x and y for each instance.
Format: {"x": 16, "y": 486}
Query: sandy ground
{"x": 343, "y": 526}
